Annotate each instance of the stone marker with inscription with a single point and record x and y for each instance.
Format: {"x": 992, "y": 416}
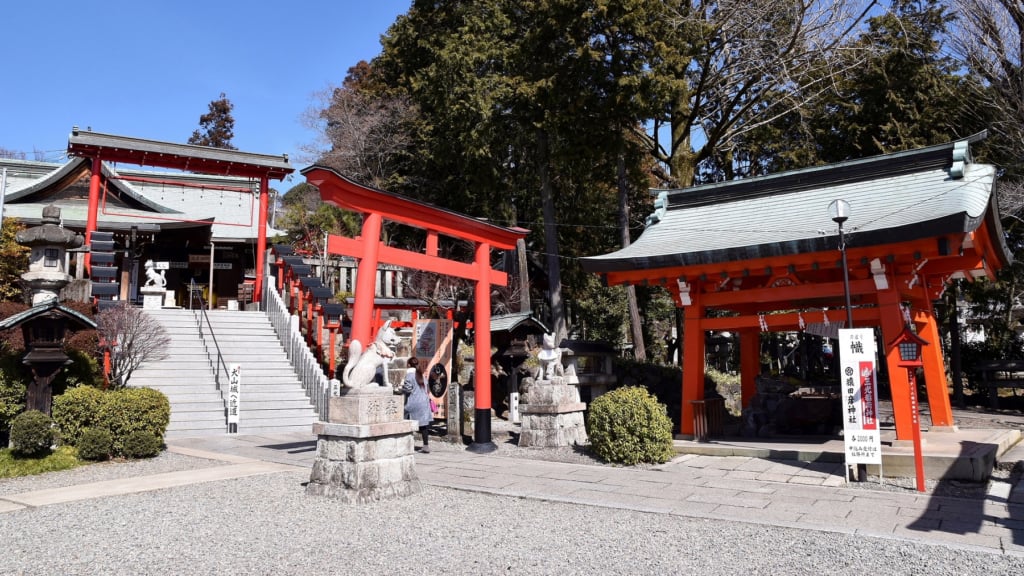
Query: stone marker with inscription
{"x": 364, "y": 451}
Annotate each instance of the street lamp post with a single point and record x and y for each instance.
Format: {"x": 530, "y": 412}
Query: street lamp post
{"x": 839, "y": 211}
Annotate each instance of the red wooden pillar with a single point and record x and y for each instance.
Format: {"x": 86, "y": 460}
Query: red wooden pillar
{"x": 892, "y": 326}
{"x": 934, "y": 369}
{"x": 693, "y": 361}
{"x": 362, "y": 314}
{"x": 261, "y": 240}
{"x": 750, "y": 364}
{"x": 94, "y": 206}
{"x": 482, "y": 350}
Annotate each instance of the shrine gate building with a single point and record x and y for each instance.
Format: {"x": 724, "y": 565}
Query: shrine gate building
{"x": 763, "y": 253}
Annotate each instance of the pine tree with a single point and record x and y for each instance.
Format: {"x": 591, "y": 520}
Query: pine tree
{"x": 216, "y": 127}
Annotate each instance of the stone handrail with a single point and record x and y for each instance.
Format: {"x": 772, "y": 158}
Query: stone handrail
{"x": 307, "y": 367}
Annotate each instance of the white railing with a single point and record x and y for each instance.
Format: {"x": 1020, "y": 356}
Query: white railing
{"x": 311, "y": 374}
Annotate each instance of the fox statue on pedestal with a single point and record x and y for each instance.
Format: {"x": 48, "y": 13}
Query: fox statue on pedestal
{"x": 362, "y": 365}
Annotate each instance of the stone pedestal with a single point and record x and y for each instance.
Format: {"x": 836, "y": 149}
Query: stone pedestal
{"x": 152, "y": 297}
{"x": 364, "y": 452}
{"x": 552, "y": 415}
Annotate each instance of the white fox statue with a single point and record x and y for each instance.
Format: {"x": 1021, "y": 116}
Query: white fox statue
{"x": 362, "y": 365}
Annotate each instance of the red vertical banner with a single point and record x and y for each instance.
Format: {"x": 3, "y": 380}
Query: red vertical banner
{"x": 868, "y": 397}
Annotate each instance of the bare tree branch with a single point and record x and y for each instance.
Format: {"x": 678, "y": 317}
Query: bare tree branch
{"x": 133, "y": 338}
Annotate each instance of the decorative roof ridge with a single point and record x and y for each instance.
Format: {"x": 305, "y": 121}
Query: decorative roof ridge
{"x": 939, "y": 156}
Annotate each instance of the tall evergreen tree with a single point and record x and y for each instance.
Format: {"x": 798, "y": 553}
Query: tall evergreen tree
{"x": 217, "y": 126}
{"x": 516, "y": 103}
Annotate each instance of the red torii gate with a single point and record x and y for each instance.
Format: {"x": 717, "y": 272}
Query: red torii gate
{"x": 201, "y": 159}
{"x": 376, "y": 206}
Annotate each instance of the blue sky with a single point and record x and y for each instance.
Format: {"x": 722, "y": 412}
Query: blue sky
{"x": 150, "y": 68}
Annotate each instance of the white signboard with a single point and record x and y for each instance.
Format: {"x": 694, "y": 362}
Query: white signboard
{"x": 860, "y": 396}
{"x": 234, "y": 392}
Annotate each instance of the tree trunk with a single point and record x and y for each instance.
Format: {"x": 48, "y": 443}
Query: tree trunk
{"x": 639, "y": 351}
{"x": 524, "y": 276}
{"x": 551, "y": 240}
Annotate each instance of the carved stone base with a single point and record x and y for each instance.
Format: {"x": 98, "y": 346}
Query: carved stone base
{"x": 152, "y": 297}
{"x": 552, "y": 416}
{"x": 365, "y": 452}
{"x": 364, "y": 463}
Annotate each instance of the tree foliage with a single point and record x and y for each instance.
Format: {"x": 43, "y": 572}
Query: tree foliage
{"x": 989, "y": 42}
{"x": 217, "y": 126}
{"x": 364, "y": 130}
{"x": 306, "y": 219}
{"x": 548, "y": 114}
{"x": 13, "y": 261}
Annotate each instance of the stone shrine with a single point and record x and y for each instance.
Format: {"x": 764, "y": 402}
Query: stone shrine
{"x": 364, "y": 452}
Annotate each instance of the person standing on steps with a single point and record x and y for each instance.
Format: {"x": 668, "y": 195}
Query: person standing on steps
{"x": 417, "y": 401}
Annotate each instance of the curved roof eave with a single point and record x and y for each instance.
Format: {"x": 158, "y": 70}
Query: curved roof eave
{"x": 886, "y": 207}
{"x": 68, "y": 169}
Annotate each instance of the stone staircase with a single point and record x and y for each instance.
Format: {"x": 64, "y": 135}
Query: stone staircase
{"x": 272, "y": 398}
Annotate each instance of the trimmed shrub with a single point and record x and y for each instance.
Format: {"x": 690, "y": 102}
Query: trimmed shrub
{"x": 76, "y": 410}
{"x": 141, "y": 444}
{"x": 95, "y": 444}
{"x": 32, "y": 434}
{"x": 133, "y": 410}
{"x": 628, "y": 425}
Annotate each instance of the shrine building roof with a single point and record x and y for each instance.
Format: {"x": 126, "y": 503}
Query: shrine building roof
{"x": 893, "y": 198}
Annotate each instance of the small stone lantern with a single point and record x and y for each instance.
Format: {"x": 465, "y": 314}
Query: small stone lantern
{"x": 49, "y": 242}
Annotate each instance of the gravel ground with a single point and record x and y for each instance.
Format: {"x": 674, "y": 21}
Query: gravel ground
{"x": 267, "y": 525}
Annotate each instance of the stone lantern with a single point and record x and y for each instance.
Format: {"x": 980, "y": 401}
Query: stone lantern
{"x": 45, "y": 324}
{"x": 49, "y": 242}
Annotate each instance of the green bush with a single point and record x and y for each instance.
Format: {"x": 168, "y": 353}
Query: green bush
{"x": 95, "y": 444}
{"x": 12, "y": 390}
{"x": 133, "y": 410}
{"x": 141, "y": 444}
{"x": 628, "y": 425}
{"x": 32, "y": 434}
{"x": 76, "y": 410}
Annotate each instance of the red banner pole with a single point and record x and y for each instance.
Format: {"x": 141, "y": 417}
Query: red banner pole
{"x": 915, "y": 420}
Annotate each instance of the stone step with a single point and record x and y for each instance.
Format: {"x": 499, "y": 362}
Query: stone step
{"x": 195, "y": 432}
{"x": 171, "y": 391}
{"x": 272, "y": 397}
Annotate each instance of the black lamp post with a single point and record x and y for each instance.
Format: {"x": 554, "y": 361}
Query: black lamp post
{"x": 839, "y": 211}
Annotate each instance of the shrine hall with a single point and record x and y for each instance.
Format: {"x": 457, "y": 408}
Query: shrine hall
{"x": 763, "y": 255}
